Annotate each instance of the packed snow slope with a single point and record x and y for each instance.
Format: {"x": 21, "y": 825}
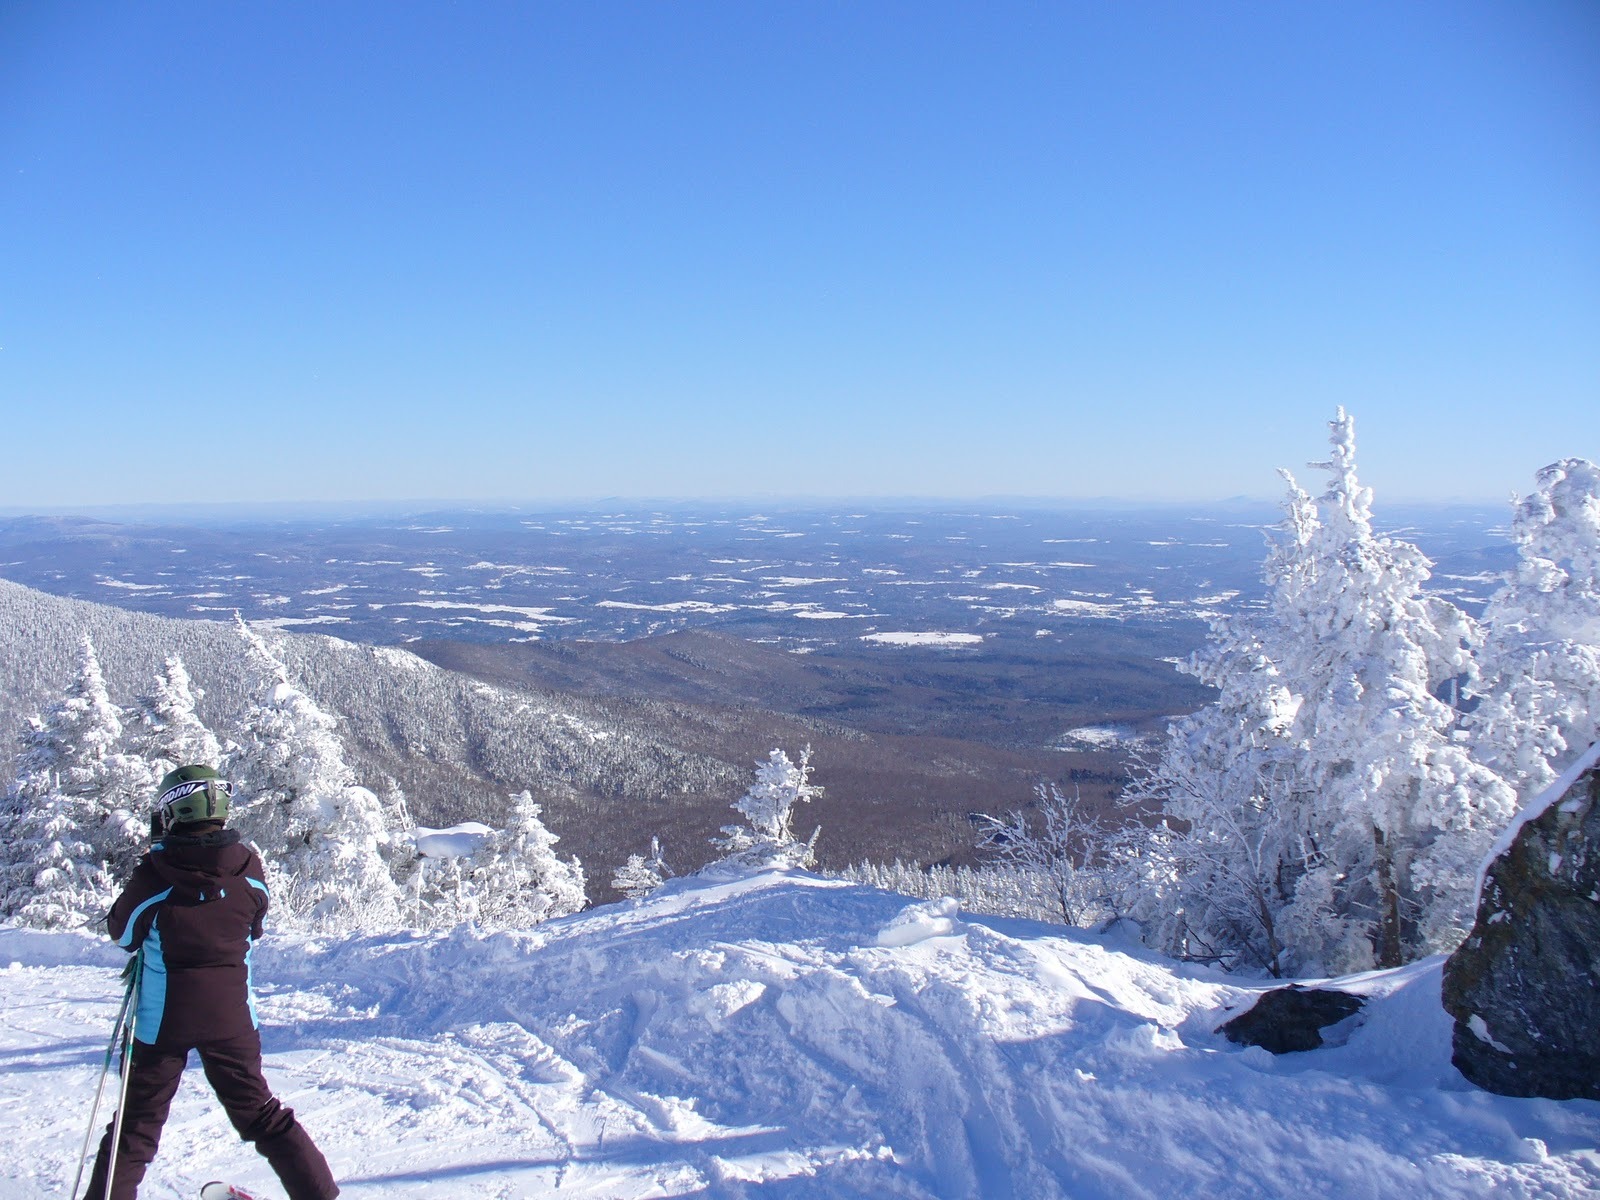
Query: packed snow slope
{"x": 780, "y": 1035}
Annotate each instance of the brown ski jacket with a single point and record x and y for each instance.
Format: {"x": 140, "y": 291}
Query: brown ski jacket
{"x": 193, "y": 909}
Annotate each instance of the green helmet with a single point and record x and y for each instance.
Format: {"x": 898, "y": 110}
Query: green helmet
{"x": 192, "y": 794}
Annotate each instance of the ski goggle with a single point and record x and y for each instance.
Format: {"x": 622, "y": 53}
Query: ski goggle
{"x": 213, "y": 788}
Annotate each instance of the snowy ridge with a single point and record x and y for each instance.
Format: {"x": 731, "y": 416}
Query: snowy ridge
{"x": 455, "y": 744}
{"x": 762, "y": 1035}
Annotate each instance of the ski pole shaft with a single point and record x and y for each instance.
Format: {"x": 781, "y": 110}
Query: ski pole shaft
{"x": 100, "y": 1087}
{"x": 127, "y": 1070}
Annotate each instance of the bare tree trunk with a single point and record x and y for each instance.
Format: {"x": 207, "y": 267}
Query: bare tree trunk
{"x": 1387, "y": 948}
{"x": 1269, "y": 927}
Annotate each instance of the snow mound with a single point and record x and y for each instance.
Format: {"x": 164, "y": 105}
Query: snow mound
{"x": 919, "y": 922}
{"x": 458, "y": 841}
{"x": 773, "y": 1035}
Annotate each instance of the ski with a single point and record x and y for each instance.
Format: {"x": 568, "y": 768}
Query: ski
{"x": 217, "y": 1190}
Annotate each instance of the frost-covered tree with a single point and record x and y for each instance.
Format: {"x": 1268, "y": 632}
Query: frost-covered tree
{"x": 517, "y": 877}
{"x": 1061, "y": 854}
{"x": 641, "y": 875}
{"x": 994, "y": 888}
{"x": 73, "y": 820}
{"x": 439, "y": 892}
{"x": 1401, "y": 814}
{"x": 1326, "y": 814}
{"x": 1212, "y": 880}
{"x": 166, "y": 731}
{"x": 768, "y": 806}
{"x": 321, "y": 834}
{"x": 398, "y": 847}
{"x": 52, "y": 876}
{"x": 1540, "y": 661}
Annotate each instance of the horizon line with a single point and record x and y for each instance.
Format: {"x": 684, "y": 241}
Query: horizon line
{"x": 791, "y": 501}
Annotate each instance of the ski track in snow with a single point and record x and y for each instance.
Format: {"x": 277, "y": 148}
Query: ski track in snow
{"x": 749, "y": 1037}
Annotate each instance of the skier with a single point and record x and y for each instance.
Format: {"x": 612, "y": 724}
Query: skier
{"x": 191, "y": 911}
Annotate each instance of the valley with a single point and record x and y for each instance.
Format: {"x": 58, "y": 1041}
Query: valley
{"x": 629, "y": 668}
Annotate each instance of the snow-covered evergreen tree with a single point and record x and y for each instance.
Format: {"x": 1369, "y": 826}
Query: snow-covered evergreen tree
{"x": 1212, "y": 881}
{"x": 1540, "y": 661}
{"x": 517, "y": 878}
{"x": 768, "y": 806}
{"x": 439, "y": 893}
{"x": 321, "y": 834}
{"x": 166, "y": 731}
{"x": 640, "y": 876}
{"x": 1331, "y": 818}
{"x": 74, "y": 819}
{"x": 1402, "y": 815}
{"x": 52, "y": 876}
{"x": 398, "y": 848}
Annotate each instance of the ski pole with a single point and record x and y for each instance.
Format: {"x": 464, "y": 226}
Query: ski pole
{"x": 99, "y": 1089}
{"x": 127, "y": 1070}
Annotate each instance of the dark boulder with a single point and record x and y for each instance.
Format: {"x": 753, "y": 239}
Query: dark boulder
{"x": 1524, "y": 988}
{"x": 1291, "y": 1018}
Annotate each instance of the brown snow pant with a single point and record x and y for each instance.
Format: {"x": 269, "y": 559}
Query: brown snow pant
{"x": 233, "y": 1069}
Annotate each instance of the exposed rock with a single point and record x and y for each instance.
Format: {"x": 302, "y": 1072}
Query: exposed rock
{"x": 1291, "y": 1018}
{"x": 1524, "y": 987}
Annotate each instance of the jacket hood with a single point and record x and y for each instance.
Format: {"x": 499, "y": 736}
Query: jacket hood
{"x": 200, "y": 863}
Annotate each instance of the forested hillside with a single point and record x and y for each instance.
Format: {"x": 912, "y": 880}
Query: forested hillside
{"x": 614, "y": 759}
{"x": 456, "y": 746}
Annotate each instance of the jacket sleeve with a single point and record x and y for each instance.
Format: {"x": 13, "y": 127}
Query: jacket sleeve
{"x": 131, "y": 916}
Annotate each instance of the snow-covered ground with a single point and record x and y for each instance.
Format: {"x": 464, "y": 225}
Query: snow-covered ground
{"x": 781, "y": 1035}
{"x": 935, "y": 638}
{"x": 1099, "y": 737}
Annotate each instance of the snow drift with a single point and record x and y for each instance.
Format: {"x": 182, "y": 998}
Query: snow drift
{"x": 775, "y": 1034}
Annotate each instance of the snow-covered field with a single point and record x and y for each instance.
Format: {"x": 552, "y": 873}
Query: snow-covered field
{"x": 925, "y": 639}
{"x": 781, "y": 1035}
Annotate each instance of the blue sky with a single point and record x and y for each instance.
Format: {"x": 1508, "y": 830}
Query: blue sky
{"x": 358, "y": 251}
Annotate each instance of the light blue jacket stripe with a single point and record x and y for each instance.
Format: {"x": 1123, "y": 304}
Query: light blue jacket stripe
{"x": 152, "y": 989}
{"x": 126, "y": 940}
{"x": 250, "y": 983}
{"x": 249, "y": 967}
